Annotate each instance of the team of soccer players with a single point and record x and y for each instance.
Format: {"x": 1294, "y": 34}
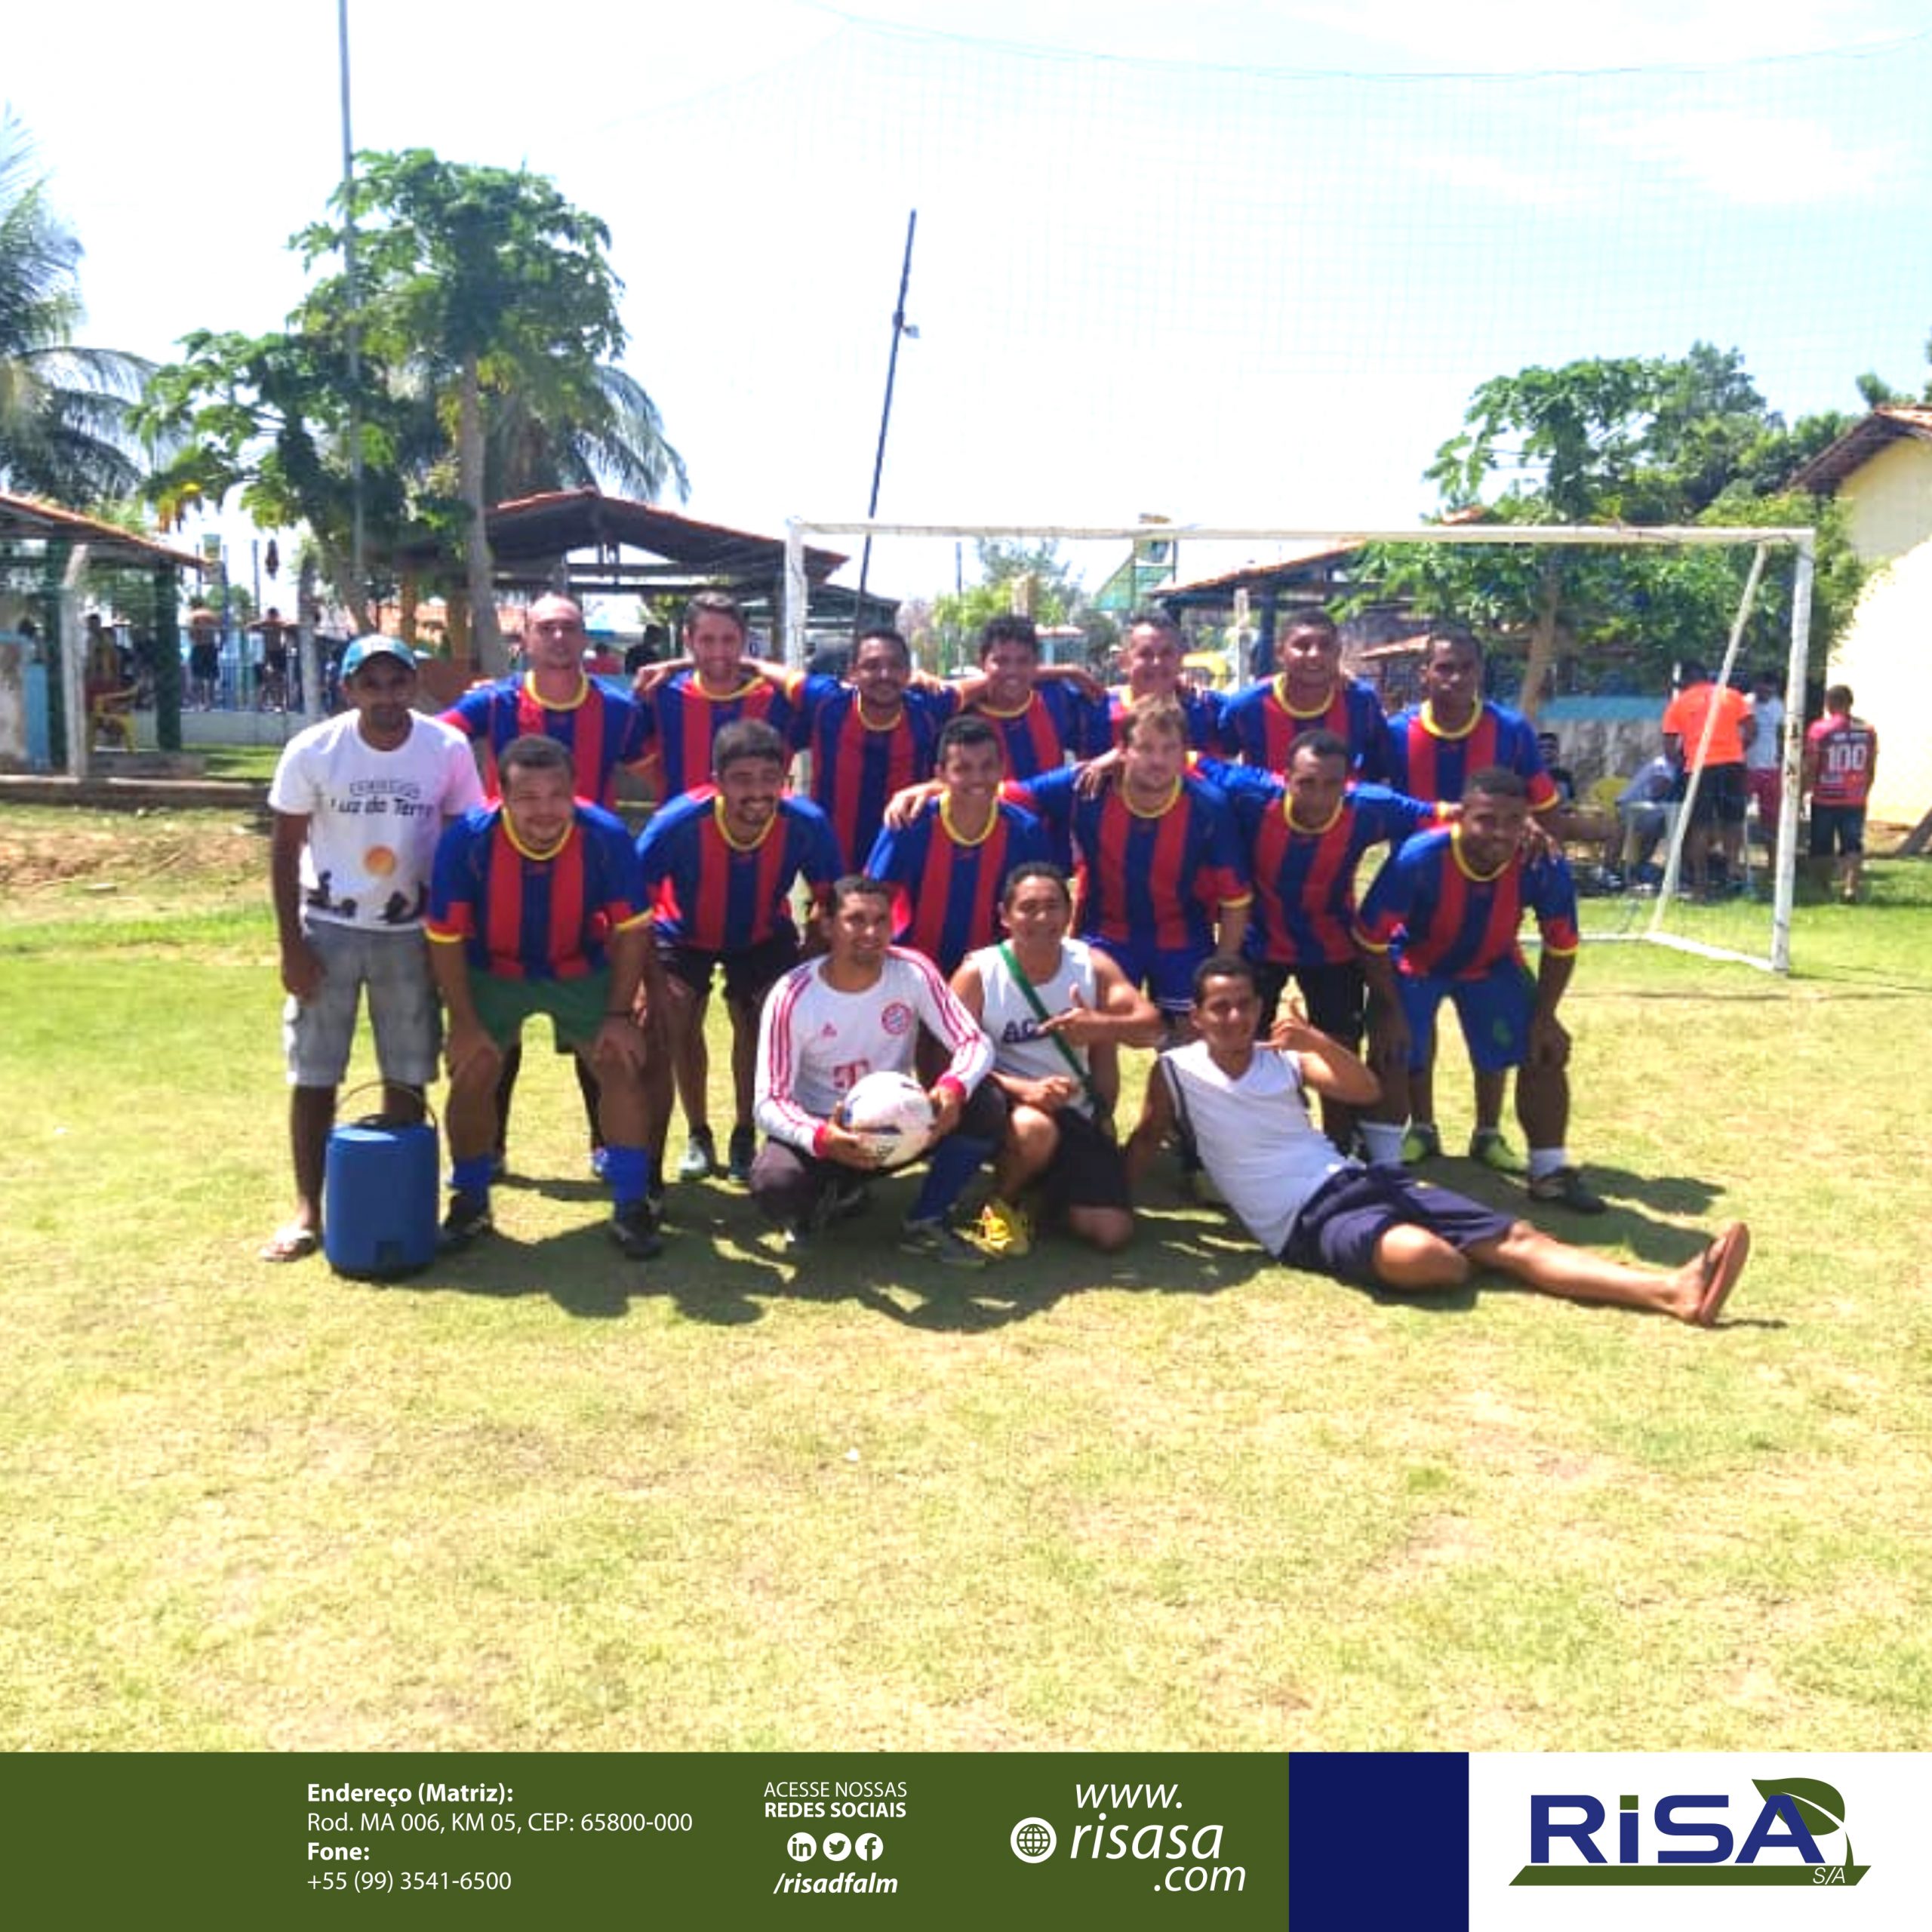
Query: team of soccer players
{"x": 1008, "y": 881}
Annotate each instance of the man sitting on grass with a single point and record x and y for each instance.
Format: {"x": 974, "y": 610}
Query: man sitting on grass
{"x": 1057, "y": 1011}
{"x": 1241, "y": 1102}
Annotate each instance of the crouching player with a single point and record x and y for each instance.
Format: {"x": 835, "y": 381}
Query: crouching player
{"x": 828, "y": 1023}
{"x": 1057, "y": 1012}
{"x": 537, "y": 905}
{"x": 1313, "y": 1208}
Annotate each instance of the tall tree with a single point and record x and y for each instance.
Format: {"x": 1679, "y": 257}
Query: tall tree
{"x": 63, "y": 408}
{"x": 485, "y": 308}
{"x": 487, "y": 283}
{"x": 1619, "y": 441}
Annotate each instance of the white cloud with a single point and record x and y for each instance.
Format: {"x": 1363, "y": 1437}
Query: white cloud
{"x": 1764, "y": 160}
{"x": 1522, "y": 36}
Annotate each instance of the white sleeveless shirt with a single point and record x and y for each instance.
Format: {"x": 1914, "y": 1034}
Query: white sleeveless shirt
{"x": 1019, "y": 1048}
{"x": 1253, "y": 1135}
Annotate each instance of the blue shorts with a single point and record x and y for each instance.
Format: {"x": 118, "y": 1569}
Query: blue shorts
{"x": 1339, "y": 1224}
{"x": 1166, "y": 972}
{"x": 1495, "y": 1012}
{"x": 1843, "y": 825}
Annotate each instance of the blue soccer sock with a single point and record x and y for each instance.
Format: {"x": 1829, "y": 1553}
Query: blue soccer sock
{"x": 628, "y": 1171}
{"x": 953, "y": 1163}
{"x": 472, "y": 1176}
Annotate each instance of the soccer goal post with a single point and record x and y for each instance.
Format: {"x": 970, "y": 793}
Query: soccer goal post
{"x": 1720, "y": 939}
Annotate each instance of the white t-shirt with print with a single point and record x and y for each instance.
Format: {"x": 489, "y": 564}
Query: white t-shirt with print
{"x": 374, "y": 817}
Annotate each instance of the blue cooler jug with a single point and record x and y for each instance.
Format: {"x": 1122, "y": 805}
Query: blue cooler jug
{"x": 379, "y": 1198}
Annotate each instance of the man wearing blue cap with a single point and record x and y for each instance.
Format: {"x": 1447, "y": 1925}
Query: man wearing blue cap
{"x": 359, "y": 802}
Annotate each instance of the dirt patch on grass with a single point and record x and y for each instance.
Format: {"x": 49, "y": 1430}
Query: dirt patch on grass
{"x": 43, "y": 851}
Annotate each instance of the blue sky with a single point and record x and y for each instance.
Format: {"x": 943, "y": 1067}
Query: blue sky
{"x": 1240, "y": 264}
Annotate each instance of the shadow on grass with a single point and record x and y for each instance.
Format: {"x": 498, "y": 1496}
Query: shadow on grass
{"x": 1629, "y": 1195}
{"x": 580, "y": 1271}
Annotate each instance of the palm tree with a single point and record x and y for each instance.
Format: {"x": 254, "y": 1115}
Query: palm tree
{"x": 612, "y": 436}
{"x": 62, "y": 409}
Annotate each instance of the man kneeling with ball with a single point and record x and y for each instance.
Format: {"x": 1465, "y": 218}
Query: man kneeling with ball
{"x": 859, "y": 1010}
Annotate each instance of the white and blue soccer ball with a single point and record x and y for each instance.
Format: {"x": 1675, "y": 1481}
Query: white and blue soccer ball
{"x": 890, "y": 1112}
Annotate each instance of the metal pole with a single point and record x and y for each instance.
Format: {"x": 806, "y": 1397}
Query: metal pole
{"x": 798, "y": 596}
{"x": 358, "y": 559}
{"x": 73, "y": 669}
{"x": 884, "y": 422}
{"x": 1783, "y": 890}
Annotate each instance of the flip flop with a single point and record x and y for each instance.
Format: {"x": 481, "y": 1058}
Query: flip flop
{"x": 1724, "y": 1261}
{"x": 292, "y": 1243}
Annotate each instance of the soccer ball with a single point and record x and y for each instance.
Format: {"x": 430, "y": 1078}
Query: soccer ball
{"x": 891, "y": 1112}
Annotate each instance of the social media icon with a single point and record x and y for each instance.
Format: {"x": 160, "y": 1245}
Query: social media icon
{"x": 838, "y": 1847}
{"x": 869, "y": 1846}
{"x": 801, "y": 1845}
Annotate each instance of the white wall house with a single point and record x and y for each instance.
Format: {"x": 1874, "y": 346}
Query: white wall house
{"x": 1880, "y": 470}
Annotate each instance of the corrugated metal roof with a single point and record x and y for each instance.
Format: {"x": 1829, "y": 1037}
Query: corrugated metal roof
{"x": 1860, "y": 444}
{"x": 1258, "y": 576}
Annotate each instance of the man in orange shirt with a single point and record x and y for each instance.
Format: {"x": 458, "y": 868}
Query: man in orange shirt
{"x": 1722, "y": 793}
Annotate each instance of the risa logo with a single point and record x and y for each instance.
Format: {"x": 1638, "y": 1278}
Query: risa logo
{"x": 1798, "y": 1836}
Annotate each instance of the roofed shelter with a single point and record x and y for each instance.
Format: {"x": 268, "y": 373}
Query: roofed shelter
{"x": 586, "y": 544}
{"x": 45, "y": 552}
{"x": 1269, "y": 592}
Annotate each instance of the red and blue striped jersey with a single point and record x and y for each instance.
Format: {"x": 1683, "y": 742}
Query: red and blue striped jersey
{"x": 687, "y": 718}
{"x": 1445, "y": 921}
{"x": 946, "y": 900}
{"x": 709, "y": 892}
{"x": 1159, "y": 876}
{"x": 857, "y": 767}
{"x": 1056, "y": 723}
{"x": 1428, "y": 762}
{"x": 525, "y": 917}
{"x": 602, "y": 729}
{"x": 1202, "y": 710}
{"x": 1259, "y": 724}
{"x": 1305, "y": 881}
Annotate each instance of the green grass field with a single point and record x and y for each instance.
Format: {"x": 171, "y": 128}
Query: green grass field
{"x": 533, "y": 1499}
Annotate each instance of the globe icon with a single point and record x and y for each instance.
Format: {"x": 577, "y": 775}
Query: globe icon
{"x": 1032, "y": 1839}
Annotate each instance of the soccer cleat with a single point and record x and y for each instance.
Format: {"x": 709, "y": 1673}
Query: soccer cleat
{"x": 1563, "y": 1188}
{"x": 743, "y": 1150}
{"x": 468, "y": 1216}
{"x": 700, "y": 1155}
{"x": 934, "y": 1241}
{"x": 634, "y": 1228}
{"x": 1422, "y": 1143}
{"x": 1488, "y": 1145}
{"x": 1005, "y": 1231}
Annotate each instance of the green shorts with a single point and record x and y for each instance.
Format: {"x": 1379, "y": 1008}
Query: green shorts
{"x": 577, "y": 1007}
